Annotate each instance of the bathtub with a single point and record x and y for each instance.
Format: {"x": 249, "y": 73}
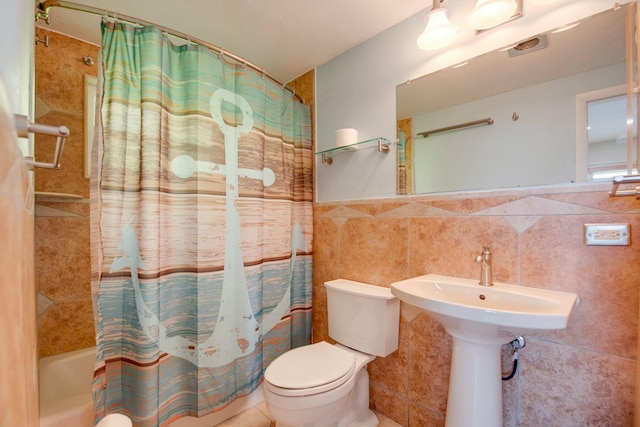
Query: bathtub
{"x": 65, "y": 389}
{"x": 66, "y": 398}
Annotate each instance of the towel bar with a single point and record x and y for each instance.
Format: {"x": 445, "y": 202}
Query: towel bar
{"x": 625, "y": 179}
{"x": 24, "y": 127}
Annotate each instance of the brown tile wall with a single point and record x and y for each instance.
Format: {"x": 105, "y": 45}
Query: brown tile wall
{"x": 62, "y": 224}
{"x": 304, "y": 87}
{"x": 18, "y": 333}
{"x": 583, "y": 375}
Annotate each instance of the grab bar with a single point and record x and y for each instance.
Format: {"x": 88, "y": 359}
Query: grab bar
{"x": 488, "y": 121}
{"x": 625, "y": 179}
{"x": 24, "y": 127}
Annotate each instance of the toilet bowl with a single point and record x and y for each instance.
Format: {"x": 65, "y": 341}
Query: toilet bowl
{"x": 318, "y": 385}
{"x": 322, "y": 384}
{"x": 115, "y": 420}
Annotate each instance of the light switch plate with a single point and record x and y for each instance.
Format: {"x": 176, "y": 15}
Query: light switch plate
{"x": 607, "y": 234}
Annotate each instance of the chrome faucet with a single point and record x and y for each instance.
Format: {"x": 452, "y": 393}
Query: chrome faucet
{"x": 486, "y": 279}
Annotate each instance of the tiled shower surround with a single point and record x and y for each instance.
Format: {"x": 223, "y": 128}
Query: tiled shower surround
{"x": 581, "y": 376}
{"x": 62, "y": 254}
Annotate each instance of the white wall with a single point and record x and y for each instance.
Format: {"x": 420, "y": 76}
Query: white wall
{"x": 546, "y": 135}
{"x": 358, "y": 88}
{"x": 16, "y": 55}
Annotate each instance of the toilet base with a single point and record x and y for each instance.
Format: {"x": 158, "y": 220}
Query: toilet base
{"x": 358, "y": 413}
{"x": 350, "y": 410}
{"x": 367, "y": 419}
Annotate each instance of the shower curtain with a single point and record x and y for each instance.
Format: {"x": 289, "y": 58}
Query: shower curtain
{"x": 201, "y": 227}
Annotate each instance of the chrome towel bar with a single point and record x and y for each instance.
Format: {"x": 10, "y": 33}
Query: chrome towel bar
{"x": 24, "y": 127}
{"x": 625, "y": 179}
{"x": 488, "y": 121}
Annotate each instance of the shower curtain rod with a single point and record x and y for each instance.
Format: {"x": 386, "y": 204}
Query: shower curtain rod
{"x": 43, "y": 13}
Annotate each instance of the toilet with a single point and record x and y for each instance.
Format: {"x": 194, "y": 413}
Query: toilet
{"x": 115, "y": 420}
{"x": 324, "y": 384}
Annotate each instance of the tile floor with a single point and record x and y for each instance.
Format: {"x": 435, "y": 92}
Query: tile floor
{"x": 259, "y": 417}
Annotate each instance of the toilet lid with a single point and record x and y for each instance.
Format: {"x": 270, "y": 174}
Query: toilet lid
{"x": 310, "y": 366}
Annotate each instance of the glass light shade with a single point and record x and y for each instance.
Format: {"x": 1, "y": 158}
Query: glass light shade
{"x": 439, "y": 32}
{"x": 490, "y": 13}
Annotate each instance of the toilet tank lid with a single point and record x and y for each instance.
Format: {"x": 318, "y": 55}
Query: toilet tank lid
{"x": 359, "y": 288}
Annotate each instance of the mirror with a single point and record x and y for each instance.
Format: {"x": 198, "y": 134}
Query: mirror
{"x": 529, "y": 93}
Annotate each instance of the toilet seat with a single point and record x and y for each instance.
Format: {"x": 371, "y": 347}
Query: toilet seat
{"x": 310, "y": 369}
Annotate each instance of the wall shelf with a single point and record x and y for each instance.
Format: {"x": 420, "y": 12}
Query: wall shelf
{"x": 48, "y": 195}
{"x": 383, "y": 145}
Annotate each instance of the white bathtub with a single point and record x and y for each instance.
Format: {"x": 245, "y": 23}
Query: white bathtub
{"x": 65, "y": 389}
{"x": 66, "y": 399}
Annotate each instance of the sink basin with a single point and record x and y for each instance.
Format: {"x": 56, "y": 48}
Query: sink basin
{"x": 502, "y": 308}
{"x": 481, "y": 319}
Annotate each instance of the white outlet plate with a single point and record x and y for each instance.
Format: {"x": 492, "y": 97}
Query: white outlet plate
{"x": 607, "y": 234}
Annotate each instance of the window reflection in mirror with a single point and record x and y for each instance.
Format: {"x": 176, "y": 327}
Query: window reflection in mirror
{"x": 607, "y": 137}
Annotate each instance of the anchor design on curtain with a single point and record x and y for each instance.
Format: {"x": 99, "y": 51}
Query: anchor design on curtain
{"x": 236, "y": 321}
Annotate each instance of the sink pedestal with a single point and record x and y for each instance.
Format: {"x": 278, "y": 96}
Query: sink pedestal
{"x": 481, "y": 319}
{"x": 475, "y": 385}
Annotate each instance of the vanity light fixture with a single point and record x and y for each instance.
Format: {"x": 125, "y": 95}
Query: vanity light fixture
{"x": 491, "y": 13}
{"x": 439, "y": 31}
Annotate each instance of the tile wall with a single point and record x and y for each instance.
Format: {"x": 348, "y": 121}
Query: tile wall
{"x": 62, "y": 223}
{"x": 18, "y": 362}
{"x": 580, "y": 376}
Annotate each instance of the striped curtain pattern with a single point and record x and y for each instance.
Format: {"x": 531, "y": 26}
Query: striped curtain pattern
{"x": 201, "y": 228}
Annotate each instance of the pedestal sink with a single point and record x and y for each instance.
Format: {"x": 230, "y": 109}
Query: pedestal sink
{"x": 481, "y": 319}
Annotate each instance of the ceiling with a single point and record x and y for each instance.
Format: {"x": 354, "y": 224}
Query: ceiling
{"x": 284, "y": 37}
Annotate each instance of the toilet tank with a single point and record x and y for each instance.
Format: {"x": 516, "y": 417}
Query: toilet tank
{"x": 363, "y": 317}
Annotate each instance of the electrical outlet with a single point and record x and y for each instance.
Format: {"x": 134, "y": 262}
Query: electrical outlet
{"x": 607, "y": 234}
